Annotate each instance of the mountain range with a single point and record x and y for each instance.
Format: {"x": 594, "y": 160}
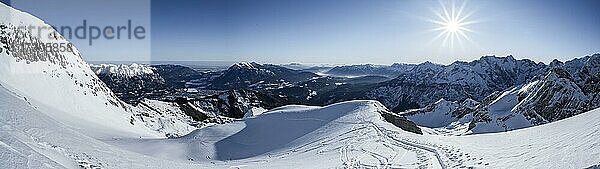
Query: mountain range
{"x": 58, "y": 111}
{"x": 559, "y": 90}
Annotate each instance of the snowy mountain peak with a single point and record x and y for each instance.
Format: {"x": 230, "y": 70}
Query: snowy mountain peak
{"x": 555, "y": 63}
{"x": 59, "y": 83}
{"x": 595, "y": 57}
{"x": 593, "y": 64}
{"x": 494, "y": 57}
{"x": 244, "y": 65}
{"x": 125, "y": 70}
{"x": 399, "y": 64}
{"x": 558, "y": 72}
{"x": 552, "y": 98}
{"x": 245, "y": 75}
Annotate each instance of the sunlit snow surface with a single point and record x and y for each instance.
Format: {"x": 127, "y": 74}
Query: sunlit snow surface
{"x": 50, "y": 120}
{"x": 349, "y": 134}
{"x": 61, "y": 84}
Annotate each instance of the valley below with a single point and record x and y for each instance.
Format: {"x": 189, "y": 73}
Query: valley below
{"x": 58, "y": 111}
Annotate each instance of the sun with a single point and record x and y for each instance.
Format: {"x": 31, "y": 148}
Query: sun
{"x": 452, "y": 23}
{"x": 453, "y": 26}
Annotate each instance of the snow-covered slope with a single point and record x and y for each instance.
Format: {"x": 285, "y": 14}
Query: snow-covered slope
{"x": 127, "y": 70}
{"x": 32, "y": 139}
{"x": 164, "y": 117}
{"x": 498, "y": 113}
{"x": 550, "y": 98}
{"x": 553, "y": 97}
{"x": 441, "y": 113}
{"x": 444, "y": 117}
{"x": 353, "y": 134}
{"x": 59, "y": 84}
{"x": 570, "y": 143}
{"x": 426, "y": 83}
{"x": 350, "y": 134}
{"x": 561, "y": 91}
{"x": 55, "y": 113}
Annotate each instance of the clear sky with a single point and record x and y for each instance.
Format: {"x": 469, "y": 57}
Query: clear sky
{"x": 374, "y": 31}
{"x": 369, "y": 31}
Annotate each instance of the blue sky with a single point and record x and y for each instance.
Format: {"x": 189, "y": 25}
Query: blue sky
{"x": 374, "y": 31}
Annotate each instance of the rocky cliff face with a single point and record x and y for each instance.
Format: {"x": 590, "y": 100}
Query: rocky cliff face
{"x": 427, "y": 83}
{"x": 563, "y": 91}
{"x": 131, "y": 82}
{"x": 236, "y": 104}
{"x": 56, "y": 80}
{"x": 487, "y": 95}
{"x": 441, "y": 113}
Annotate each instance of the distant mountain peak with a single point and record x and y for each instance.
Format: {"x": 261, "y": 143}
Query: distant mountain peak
{"x": 244, "y": 75}
{"x": 558, "y": 72}
{"x": 126, "y": 70}
{"x": 245, "y": 65}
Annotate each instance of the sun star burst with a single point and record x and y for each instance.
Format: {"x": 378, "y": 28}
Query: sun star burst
{"x": 452, "y": 24}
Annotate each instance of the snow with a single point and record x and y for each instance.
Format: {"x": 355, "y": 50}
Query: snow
{"x": 352, "y": 134}
{"x": 32, "y": 139}
{"x": 348, "y": 134}
{"x": 570, "y": 143}
{"x": 502, "y": 114}
{"x": 56, "y": 114}
{"x": 63, "y": 86}
{"x": 439, "y": 117}
{"x": 256, "y": 111}
{"x": 163, "y": 117}
{"x": 191, "y": 90}
{"x": 123, "y": 70}
{"x": 443, "y": 117}
{"x": 521, "y": 106}
{"x": 243, "y": 65}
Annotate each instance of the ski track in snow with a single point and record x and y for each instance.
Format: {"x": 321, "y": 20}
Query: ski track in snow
{"x": 51, "y": 123}
{"x": 428, "y": 155}
{"x": 356, "y": 137}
